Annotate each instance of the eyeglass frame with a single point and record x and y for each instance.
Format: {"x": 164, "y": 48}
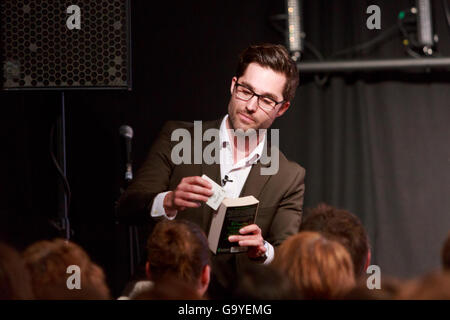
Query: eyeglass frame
{"x": 237, "y": 84}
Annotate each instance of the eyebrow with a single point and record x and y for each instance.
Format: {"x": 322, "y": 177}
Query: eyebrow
{"x": 265, "y": 94}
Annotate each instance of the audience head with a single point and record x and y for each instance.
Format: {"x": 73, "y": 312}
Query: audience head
{"x": 389, "y": 287}
{"x": 169, "y": 289}
{"x": 48, "y": 263}
{"x": 445, "y": 254}
{"x": 320, "y": 268}
{"x": 344, "y": 227}
{"x": 178, "y": 249}
{"x": 432, "y": 286}
{"x": 15, "y": 281}
{"x": 261, "y": 282}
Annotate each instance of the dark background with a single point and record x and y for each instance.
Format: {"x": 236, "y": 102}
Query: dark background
{"x": 376, "y": 144}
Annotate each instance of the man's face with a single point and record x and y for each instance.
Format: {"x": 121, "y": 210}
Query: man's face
{"x": 263, "y": 81}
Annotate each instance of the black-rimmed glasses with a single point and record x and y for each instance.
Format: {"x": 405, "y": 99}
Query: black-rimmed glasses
{"x": 245, "y": 93}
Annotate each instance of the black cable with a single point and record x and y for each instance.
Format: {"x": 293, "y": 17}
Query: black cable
{"x": 58, "y": 168}
{"x": 401, "y": 26}
{"x": 412, "y": 53}
{"x": 273, "y": 22}
{"x": 314, "y": 51}
{"x": 367, "y": 45}
{"x": 319, "y": 81}
{"x": 282, "y": 17}
{"x": 411, "y": 45}
{"x": 401, "y": 22}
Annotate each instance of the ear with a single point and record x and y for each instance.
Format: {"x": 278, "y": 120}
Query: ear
{"x": 147, "y": 271}
{"x": 233, "y": 81}
{"x": 204, "y": 280}
{"x": 283, "y": 109}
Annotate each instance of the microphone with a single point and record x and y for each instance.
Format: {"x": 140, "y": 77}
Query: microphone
{"x": 225, "y": 180}
{"x": 127, "y": 133}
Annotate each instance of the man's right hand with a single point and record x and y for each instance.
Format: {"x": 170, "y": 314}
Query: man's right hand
{"x": 188, "y": 194}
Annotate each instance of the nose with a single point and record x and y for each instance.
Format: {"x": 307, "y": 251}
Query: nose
{"x": 252, "y": 104}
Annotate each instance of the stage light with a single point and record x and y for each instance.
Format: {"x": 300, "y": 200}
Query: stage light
{"x": 425, "y": 36}
{"x": 294, "y": 33}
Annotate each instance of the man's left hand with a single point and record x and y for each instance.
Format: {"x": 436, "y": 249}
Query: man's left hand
{"x": 250, "y": 236}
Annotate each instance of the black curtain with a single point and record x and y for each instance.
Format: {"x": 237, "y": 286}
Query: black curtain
{"x": 377, "y": 143}
{"x": 373, "y": 143}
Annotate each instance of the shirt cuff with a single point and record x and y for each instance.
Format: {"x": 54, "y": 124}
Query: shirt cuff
{"x": 158, "y": 207}
{"x": 270, "y": 253}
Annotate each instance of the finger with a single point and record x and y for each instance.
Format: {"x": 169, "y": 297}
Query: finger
{"x": 253, "y": 228}
{"x": 198, "y": 181}
{"x": 189, "y": 196}
{"x": 236, "y": 238}
{"x": 253, "y": 243}
{"x": 188, "y": 204}
{"x": 196, "y": 189}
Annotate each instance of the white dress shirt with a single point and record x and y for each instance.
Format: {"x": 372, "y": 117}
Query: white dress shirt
{"x": 236, "y": 173}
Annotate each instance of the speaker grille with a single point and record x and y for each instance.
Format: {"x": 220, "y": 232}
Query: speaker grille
{"x": 40, "y": 51}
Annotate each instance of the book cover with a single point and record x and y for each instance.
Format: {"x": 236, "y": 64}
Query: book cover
{"x": 232, "y": 215}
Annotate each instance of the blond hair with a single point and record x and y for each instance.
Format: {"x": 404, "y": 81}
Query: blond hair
{"x": 320, "y": 268}
{"x": 48, "y": 262}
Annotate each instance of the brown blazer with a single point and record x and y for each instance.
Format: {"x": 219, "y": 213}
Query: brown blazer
{"x": 280, "y": 195}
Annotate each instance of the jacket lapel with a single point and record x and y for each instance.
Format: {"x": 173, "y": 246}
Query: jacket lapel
{"x": 255, "y": 182}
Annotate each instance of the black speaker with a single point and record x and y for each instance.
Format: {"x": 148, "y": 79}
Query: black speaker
{"x": 60, "y": 44}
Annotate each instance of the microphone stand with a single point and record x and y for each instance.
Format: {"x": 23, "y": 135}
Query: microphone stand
{"x": 61, "y": 163}
{"x": 133, "y": 235}
{"x": 133, "y": 240}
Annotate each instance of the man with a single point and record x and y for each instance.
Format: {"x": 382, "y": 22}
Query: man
{"x": 265, "y": 83}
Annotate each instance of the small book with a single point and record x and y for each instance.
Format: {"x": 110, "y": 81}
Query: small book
{"x": 232, "y": 215}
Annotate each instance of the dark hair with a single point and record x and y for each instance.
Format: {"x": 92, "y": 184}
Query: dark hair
{"x": 434, "y": 285}
{"x": 342, "y": 226}
{"x": 389, "y": 288}
{"x": 179, "y": 249}
{"x": 275, "y": 57}
{"x": 262, "y": 282}
{"x": 445, "y": 254}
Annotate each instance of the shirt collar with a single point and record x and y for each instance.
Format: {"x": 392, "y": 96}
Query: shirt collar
{"x": 254, "y": 156}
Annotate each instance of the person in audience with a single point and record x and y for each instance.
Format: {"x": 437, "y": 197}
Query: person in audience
{"x": 15, "y": 281}
{"x": 320, "y": 268}
{"x": 262, "y": 282}
{"x": 445, "y": 254}
{"x": 169, "y": 289}
{"x": 53, "y": 264}
{"x": 177, "y": 250}
{"x": 432, "y": 286}
{"x": 389, "y": 287}
{"x": 344, "y": 227}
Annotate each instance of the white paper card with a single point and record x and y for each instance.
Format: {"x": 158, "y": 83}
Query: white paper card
{"x": 218, "y": 194}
